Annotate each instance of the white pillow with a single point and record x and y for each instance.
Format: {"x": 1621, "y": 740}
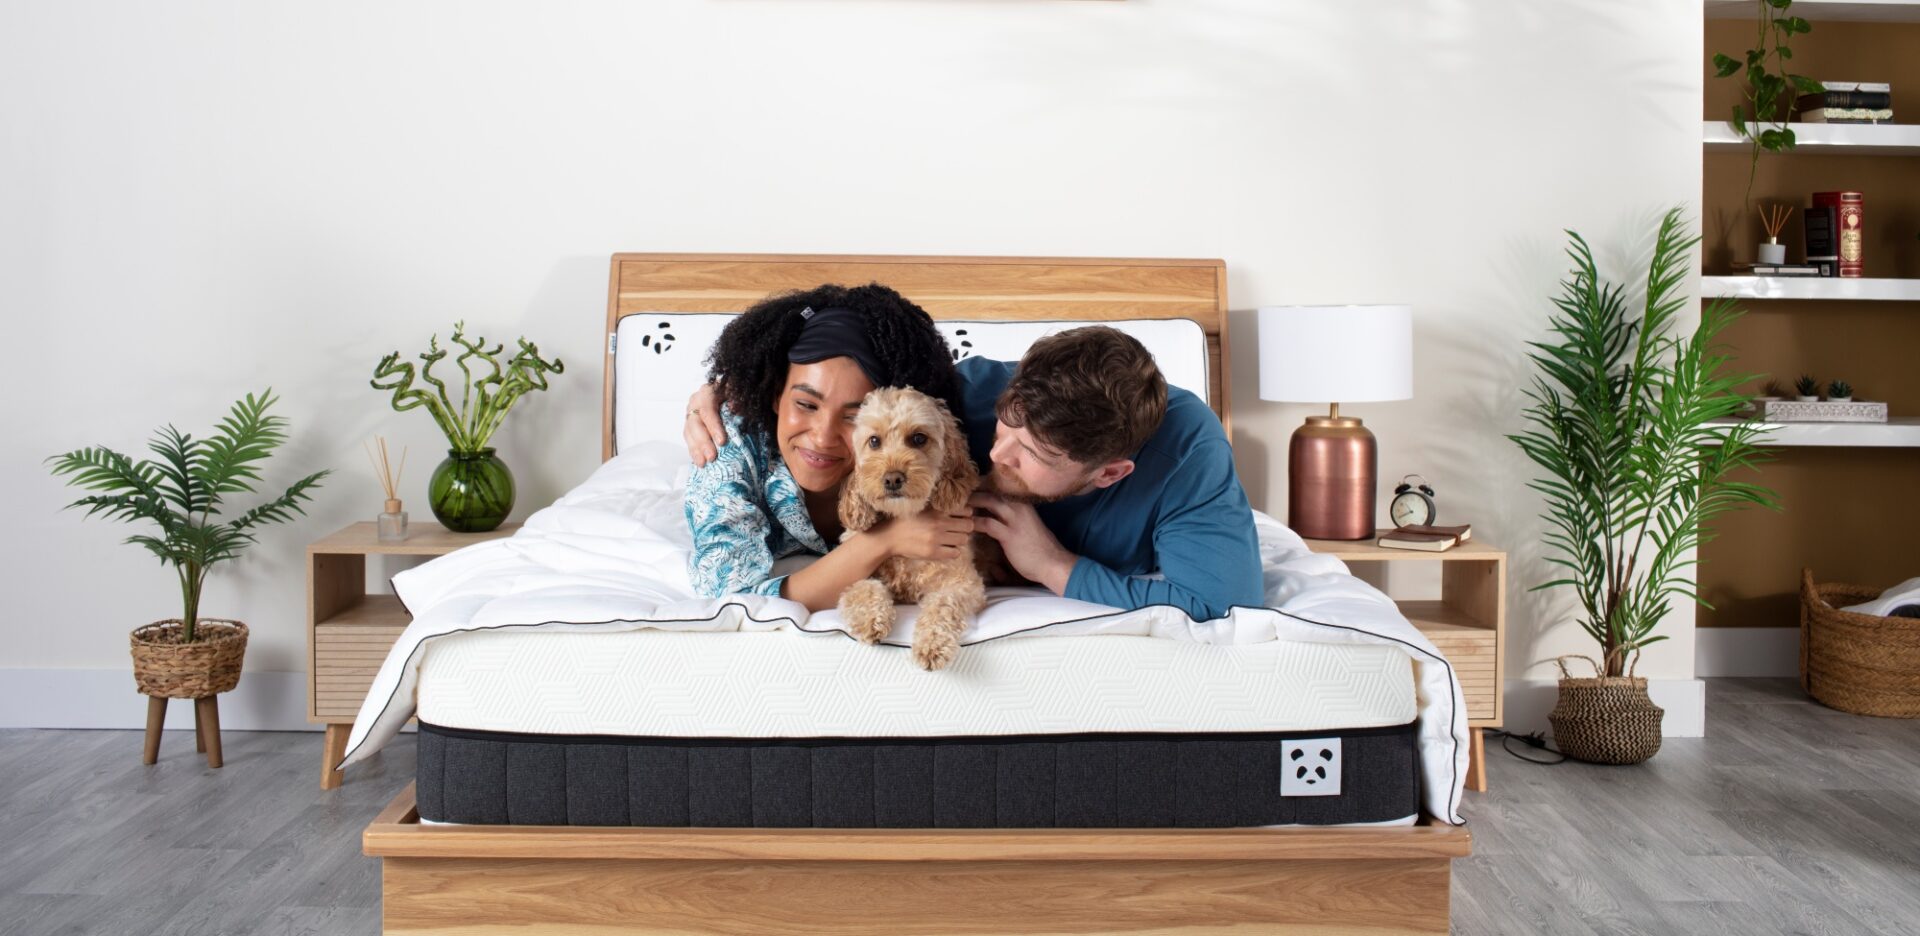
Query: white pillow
{"x": 660, "y": 359}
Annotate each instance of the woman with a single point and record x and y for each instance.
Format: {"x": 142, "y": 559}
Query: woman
{"x": 790, "y": 374}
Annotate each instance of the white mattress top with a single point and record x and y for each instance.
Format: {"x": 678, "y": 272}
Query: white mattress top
{"x": 793, "y": 685}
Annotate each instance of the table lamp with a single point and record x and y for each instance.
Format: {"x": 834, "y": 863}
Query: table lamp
{"x": 1334, "y": 354}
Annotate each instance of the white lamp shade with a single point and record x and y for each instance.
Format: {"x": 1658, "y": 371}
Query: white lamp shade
{"x": 1336, "y": 354}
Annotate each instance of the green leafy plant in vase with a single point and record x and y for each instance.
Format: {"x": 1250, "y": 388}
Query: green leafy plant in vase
{"x": 1636, "y": 429}
{"x": 471, "y": 491}
{"x": 1807, "y": 388}
{"x": 182, "y": 492}
{"x": 1840, "y": 391}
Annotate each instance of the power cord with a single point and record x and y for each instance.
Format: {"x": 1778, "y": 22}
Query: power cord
{"x": 1536, "y": 740}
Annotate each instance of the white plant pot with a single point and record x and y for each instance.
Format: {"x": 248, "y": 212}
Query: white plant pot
{"x": 1808, "y": 399}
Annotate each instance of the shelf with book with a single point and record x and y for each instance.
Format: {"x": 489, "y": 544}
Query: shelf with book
{"x": 1810, "y": 287}
{"x": 1828, "y": 11}
{"x": 1897, "y": 432}
{"x": 1830, "y": 139}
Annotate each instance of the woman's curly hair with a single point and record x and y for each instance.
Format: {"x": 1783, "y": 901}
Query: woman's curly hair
{"x": 748, "y": 364}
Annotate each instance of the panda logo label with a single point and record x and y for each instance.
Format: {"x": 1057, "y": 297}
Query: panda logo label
{"x": 1310, "y": 767}
{"x": 660, "y": 340}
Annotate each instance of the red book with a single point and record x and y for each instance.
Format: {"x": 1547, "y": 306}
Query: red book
{"x": 1852, "y": 225}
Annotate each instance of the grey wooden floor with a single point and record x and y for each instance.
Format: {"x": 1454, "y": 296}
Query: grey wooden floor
{"x": 1787, "y": 818}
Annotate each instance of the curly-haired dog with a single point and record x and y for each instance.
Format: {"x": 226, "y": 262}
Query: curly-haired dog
{"x": 911, "y": 456}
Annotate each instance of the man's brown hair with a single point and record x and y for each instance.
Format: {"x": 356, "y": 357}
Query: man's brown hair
{"x": 1092, "y": 392}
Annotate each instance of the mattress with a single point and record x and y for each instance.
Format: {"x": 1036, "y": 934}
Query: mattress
{"x": 795, "y": 730}
{"x": 782, "y": 684}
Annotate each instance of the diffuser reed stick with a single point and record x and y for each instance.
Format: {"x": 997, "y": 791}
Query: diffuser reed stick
{"x": 1774, "y": 219}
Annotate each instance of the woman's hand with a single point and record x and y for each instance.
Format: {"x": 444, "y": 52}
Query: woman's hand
{"x": 928, "y": 534}
{"x": 703, "y": 430}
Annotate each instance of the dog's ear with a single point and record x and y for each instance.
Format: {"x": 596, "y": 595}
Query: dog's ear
{"x": 856, "y": 514}
{"x": 958, "y": 477}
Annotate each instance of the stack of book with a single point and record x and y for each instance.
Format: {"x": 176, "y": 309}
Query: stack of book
{"x": 1847, "y": 102}
{"x": 1788, "y": 269}
{"x": 1427, "y": 538}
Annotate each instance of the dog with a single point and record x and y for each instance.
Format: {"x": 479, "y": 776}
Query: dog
{"x": 910, "y": 455}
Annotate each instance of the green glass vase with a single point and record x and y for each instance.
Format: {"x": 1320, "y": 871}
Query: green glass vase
{"x": 471, "y": 492}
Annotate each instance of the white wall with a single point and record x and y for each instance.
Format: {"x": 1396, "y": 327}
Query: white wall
{"x": 200, "y": 199}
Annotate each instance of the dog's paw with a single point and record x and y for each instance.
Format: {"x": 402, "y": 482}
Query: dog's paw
{"x": 934, "y": 650}
{"x": 867, "y": 608}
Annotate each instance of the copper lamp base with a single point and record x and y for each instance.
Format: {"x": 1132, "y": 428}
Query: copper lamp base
{"x": 1332, "y": 464}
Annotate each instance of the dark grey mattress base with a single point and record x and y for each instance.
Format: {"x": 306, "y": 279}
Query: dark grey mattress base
{"x": 1028, "y": 781}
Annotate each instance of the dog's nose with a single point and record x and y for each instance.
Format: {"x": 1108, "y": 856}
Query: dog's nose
{"x": 894, "y": 480}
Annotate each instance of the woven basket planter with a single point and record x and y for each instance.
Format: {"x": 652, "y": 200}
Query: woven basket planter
{"x": 1605, "y": 719}
{"x": 1859, "y": 663}
{"x": 163, "y": 667}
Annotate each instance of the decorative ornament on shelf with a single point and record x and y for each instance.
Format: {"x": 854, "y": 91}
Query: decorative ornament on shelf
{"x": 1771, "y": 89}
{"x": 1774, "y": 219}
{"x": 1807, "y": 389}
{"x": 1628, "y": 422}
{"x": 1840, "y": 391}
{"x": 472, "y": 490}
{"x": 392, "y": 524}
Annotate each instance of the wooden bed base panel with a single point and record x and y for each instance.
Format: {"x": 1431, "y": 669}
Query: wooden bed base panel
{"x": 909, "y": 882}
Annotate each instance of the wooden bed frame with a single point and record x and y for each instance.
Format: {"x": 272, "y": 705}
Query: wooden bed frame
{"x": 847, "y": 882}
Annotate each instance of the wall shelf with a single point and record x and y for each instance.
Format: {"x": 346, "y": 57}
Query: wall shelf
{"x": 1831, "y": 11}
{"x": 1897, "y": 432}
{"x": 1826, "y": 139}
{"x": 1809, "y": 287}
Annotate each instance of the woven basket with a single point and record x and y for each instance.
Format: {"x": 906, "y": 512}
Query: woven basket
{"x": 1605, "y": 719}
{"x": 1860, "y": 663}
{"x": 164, "y": 667}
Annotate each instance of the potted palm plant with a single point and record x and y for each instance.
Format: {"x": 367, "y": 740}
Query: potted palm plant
{"x": 1637, "y": 430}
{"x": 189, "y": 657}
{"x": 471, "y": 491}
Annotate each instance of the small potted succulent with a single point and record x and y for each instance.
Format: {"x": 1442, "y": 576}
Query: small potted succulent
{"x": 1807, "y": 388}
{"x": 1840, "y": 392}
{"x": 190, "y": 657}
{"x": 472, "y": 490}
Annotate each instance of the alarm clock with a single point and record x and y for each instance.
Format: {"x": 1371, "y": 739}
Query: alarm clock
{"x": 1412, "y": 504}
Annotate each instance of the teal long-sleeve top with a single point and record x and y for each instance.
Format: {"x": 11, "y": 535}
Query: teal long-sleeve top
{"x": 1182, "y": 512}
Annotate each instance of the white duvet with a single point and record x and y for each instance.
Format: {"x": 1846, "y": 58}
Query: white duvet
{"x": 611, "y": 556}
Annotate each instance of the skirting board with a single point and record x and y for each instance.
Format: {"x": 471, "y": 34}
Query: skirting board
{"x": 1746, "y": 651}
{"x": 106, "y": 698}
{"x": 1685, "y": 700}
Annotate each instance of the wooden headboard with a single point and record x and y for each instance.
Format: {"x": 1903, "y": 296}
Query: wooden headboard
{"x": 1012, "y": 288}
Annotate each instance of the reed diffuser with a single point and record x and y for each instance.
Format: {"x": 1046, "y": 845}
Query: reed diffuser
{"x": 1774, "y": 219}
{"x": 393, "y": 522}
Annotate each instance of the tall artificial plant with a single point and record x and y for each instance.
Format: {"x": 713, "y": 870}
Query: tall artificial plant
{"x": 1630, "y": 423}
{"x": 185, "y": 490}
{"x": 1771, "y": 88}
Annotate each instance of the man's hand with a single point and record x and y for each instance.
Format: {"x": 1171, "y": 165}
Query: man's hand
{"x": 1031, "y": 548}
{"x": 703, "y": 430}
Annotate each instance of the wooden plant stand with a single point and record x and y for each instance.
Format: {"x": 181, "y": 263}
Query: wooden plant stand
{"x": 349, "y": 631}
{"x": 909, "y": 882}
{"x": 206, "y": 728}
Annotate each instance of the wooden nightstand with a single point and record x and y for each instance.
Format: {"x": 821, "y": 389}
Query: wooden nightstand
{"x": 349, "y": 631}
{"x": 1468, "y": 623}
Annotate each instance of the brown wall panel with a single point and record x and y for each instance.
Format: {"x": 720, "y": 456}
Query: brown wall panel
{"x": 1848, "y": 514}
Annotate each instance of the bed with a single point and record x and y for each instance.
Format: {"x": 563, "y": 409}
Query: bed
{"x": 1080, "y": 771}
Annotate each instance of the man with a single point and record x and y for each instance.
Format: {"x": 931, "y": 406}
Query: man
{"x": 1102, "y": 483}
{"x": 1101, "y": 474}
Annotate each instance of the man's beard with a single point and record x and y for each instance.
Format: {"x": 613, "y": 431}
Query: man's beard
{"x": 1010, "y": 486}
